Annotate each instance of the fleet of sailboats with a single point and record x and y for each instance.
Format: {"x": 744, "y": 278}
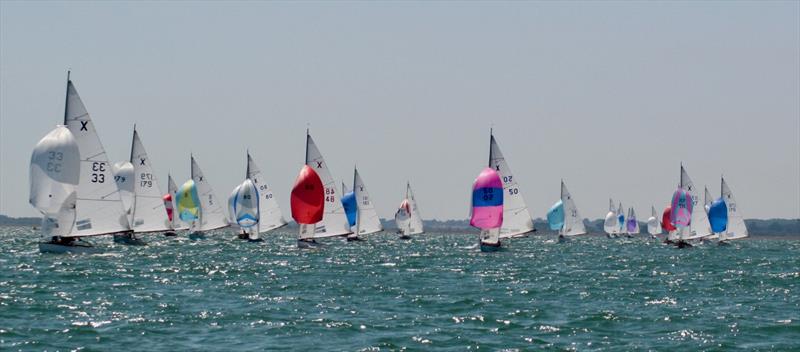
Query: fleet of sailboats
{"x": 80, "y": 194}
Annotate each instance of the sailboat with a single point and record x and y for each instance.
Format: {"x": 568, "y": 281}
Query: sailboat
{"x": 254, "y": 199}
{"x": 698, "y": 226}
{"x": 632, "y": 224}
{"x": 517, "y": 221}
{"x": 350, "y": 209}
{"x": 170, "y": 205}
{"x": 667, "y": 225}
{"x": 735, "y": 228}
{"x": 566, "y": 219}
{"x": 147, "y": 213}
{"x": 611, "y": 222}
{"x": 367, "y": 221}
{"x": 620, "y": 220}
{"x": 201, "y": 202}
{"x": 334, "y": 221}
{"x": 75, "y": 192}
{"x": 653, "y": 226}
{"x": 681, "y": 215}
{"x": 487, "y": 208}
{"x": 308, "y": 205}
{"x": 407, "y": 217}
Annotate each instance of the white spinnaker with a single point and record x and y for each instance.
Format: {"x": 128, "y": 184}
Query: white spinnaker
{"x": 699, "y": 226}
{"x": 211, "y": 214}
{"x": 573, "y": 223}
{"x": 516, "y": 217}
{"x": 402, "y": 218}
{"x": 367, "y": 221}
{"x": 415, "y": 227}
{"x": 149, "y": 213}
{"x": 98, "y": 208}
{"x": 173, "y": 192}
{"x": 653, "y": 225}
{"x": 123, "y": 176}
{"x": 54, "y": 176}
{"x": 270, "y": 213}
{"x": 334, "y": 221}
{"x": 245, "y": 208}
{"x": 736, "y": 228}
{"x": 610, "y": 223}
{"x": 231, "y": 206}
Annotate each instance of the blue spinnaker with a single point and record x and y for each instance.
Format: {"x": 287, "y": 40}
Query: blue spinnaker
{"x": 718, "y": 215}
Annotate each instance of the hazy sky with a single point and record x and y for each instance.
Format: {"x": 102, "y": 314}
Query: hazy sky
{"x": 610, "y": 96}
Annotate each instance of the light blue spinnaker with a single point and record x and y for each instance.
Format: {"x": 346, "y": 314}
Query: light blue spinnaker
{"x": 555, "y": 216}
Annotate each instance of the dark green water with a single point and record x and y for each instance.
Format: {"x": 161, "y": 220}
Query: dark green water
{"x": 436, "y": 292}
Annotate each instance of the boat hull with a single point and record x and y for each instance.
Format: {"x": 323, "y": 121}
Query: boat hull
{"x": 490, "y": 247}
{"x": 307, "y": 244}
{"x": 78, "y": 248}
{"x": 354, "y": 238}
{"x": 129, "y": 239}
{"x": 197, "y": 236}
{"x": 170, "y": 234}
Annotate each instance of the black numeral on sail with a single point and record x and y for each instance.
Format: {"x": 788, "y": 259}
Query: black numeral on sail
{"x": 97, "y": 176}
{"x": 513, "y": 191}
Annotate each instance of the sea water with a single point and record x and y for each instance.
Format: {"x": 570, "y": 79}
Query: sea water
{"x": 434, "y": 292}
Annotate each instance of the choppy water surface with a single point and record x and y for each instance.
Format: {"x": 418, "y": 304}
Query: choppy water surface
{"x": 436, "y": 292}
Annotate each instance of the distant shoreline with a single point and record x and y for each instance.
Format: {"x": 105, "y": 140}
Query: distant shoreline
{"x": 762, "y": 228}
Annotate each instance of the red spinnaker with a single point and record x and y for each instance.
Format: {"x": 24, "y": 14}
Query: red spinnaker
{"x": 666, "y": 220}
{"x": 308, "y": 197}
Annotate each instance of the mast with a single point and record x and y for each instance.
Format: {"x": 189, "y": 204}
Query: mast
{"x": 132, "y": 141}
{"x": 66, "y": 100}
{"x": 491, "y": 137}
{"x": 307, "y": 137}
{"x": 358, "y": 209}
{"x": 247, "y": 168}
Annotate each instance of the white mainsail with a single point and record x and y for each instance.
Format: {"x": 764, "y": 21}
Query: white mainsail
{"x": 736, "y": 228}
{"x": 415, "y": 226}
{"x": 573, "y": 223}
{"x": 54, "y": 176}
{"x": 98, "y": 208}
{"x": 367, "y": 221}
{"x": 699, "y": 226}
{"x": 620, "y": 220}
{"x": 148, "y": 211}
{"x": 708, "y": 199}
{"x": 610, "y": 224}
{"x": 334, "y": 221}
{"x": 270, "y": 215}
{"x": 211, "y": 214}
{"x": 653, "y": 225}
{"x": 516, "y": 217}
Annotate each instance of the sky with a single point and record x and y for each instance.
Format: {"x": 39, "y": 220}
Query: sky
{"x": 609, "y": 96}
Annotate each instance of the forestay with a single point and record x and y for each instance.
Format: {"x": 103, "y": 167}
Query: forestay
{"x": 270, "y": 215}
{"x": 211, "y": 214}
{"x": 334, "y": 222}
{"x": 367, "y": 221}
{"x": 573, "y": 222}
{"x": 148, "y": 212}
{"x": 516, "y": 217}
{"x": 98, "y": 207}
